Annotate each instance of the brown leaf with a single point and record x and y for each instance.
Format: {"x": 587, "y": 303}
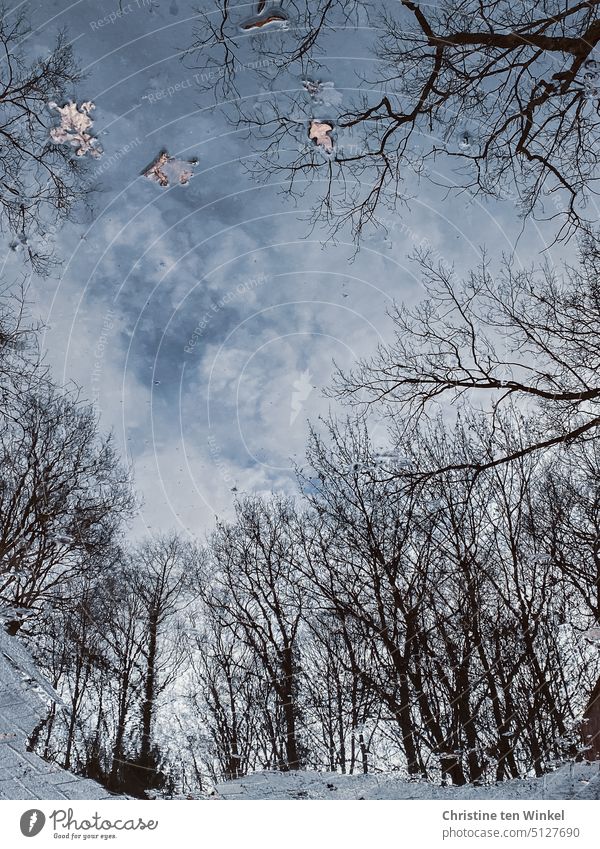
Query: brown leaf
{"x": 274, "y": 17}
{"x": 166, "y": 170}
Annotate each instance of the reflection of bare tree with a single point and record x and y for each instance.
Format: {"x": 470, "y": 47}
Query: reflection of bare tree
{"x": 506, "y": 92}
{"x": 39, "y": 180}
{"x": 257, "y": 593}
{"x": 63, "y": 496}
{"x": 521, "y": 336}
{"x": 457, "y": 589}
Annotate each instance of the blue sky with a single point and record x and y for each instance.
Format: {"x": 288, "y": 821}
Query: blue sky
{"x": 202, "y": 320}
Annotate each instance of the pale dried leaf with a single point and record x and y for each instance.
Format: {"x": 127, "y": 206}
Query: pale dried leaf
{"x": 75, "y": 122}
{"x": 319, "y": 132}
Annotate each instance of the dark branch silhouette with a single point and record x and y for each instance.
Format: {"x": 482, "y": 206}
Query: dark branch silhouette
{"x": 495, "y": 98}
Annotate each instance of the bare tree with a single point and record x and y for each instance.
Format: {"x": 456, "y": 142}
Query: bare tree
{"x": 125, "y": 639}
{"x": 225, "y": 692}
{"x": 75, "y": 646}
{"x": 455, "y": 599}
{"x": 343, "y": 710}
{"x": 367, "y": 566}
{"x": 256, "y": 586}
{"x": 63, "y": 498}
{"x": 17, "y": 341}
{"x": 506, "y": 94}
{"x": 40, "y": 181}
{"x": 158, "y": 571}
{"x": 520, "y": 340}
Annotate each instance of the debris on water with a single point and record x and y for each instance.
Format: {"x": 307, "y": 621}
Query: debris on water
{"x": 313, "y": 87}
{"x": 75, "y": 123}
{"x": 266, "y": 17}
{"x": 465, "y": 141}
{"x": 323, "y": 93}
{"x": 167, "y": 170}
{"x": 319, "y": 132}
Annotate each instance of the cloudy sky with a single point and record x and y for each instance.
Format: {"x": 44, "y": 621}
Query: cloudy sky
{"x": 202, "y": 320}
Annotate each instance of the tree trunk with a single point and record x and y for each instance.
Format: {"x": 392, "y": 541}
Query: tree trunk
{"x": 149, "y": 688}
{"x": 591, "y": 725}
{"x": 289, "y": 711}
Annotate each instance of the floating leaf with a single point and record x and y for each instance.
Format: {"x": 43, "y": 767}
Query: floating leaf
{"x": 75, "y": 122}
{"x": 319, "y": 132}
{"x": 272, "y": 18}
{"x": 167, "y": 170}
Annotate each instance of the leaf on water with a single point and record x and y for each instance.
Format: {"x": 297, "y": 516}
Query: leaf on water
{"x": 75, "y": 123}
{"x": 319, "y": 132}
{"x": 167, "y": 170}
{"x": 258, "y": 23}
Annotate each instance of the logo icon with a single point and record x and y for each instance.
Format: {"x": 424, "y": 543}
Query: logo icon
{"x": 32, "y": 822}
{"x": 302, "y": 389}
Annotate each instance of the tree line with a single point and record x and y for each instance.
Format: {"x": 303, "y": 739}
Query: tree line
{"x": 426, "y": 605}
{"x": 422, "y": 606}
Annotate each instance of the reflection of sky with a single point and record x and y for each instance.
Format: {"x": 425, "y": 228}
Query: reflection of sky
{"x": 202, "y": 319}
